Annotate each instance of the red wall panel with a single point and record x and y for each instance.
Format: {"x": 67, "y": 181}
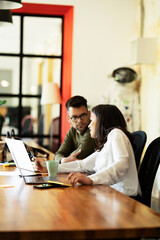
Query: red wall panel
{"x": 67, "y": 13}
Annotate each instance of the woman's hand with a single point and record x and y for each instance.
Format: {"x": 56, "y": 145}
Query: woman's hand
{"x": 74, "y": 178}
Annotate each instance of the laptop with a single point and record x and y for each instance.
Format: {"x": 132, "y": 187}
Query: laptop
{"x": 23, "y": 163}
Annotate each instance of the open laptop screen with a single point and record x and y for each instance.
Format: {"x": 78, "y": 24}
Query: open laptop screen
{"x": 19, "y": 154}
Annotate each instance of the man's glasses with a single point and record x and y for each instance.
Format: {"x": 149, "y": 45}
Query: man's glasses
{"x": 83, "y": 116}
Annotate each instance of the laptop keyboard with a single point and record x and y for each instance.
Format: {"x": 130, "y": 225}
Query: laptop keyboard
{"x": 34, "y": 179}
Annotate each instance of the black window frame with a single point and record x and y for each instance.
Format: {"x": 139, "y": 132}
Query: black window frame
{"x": 22, "y": 55}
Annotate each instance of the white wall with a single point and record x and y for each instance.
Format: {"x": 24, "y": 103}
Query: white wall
{"x": 102, "y": 33}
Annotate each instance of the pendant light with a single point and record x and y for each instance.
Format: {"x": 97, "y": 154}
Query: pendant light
{"x": 5, "y": 17}
{"x": 10, "y": 4}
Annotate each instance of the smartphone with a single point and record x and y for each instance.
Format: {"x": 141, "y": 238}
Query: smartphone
{"x": 44, "y": 186}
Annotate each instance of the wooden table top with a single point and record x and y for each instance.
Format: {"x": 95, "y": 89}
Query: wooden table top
{"x": 78, "y": 212}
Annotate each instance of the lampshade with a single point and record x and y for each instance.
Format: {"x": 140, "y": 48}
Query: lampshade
{"x": 50, "y": 93}
{"x": 143, "y": 51}
{"x": 5, "y": 17}
{"x": 10, "y": 4}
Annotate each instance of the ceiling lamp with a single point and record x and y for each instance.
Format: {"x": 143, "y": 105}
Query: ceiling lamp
{"x": 5, "y": 17}
{"x": 10, "y": 4}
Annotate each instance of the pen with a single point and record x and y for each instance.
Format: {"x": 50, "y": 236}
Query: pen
{"x": 9, "y": 165}
{"x": 34, "y": 160}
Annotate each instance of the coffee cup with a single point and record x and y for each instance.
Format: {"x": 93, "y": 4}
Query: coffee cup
{"x": 52, "y": 167}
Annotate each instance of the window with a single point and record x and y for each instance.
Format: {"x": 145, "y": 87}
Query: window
{"x": 30, "y": 55}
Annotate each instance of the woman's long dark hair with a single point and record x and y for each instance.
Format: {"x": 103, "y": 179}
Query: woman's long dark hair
{"x": 109, "y": 117}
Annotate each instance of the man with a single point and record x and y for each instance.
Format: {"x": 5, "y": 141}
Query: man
{"x": 78, "y": 143}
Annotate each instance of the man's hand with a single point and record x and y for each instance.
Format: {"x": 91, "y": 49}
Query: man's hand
{"x": 74, "y": 178}
{"x": 72, "y": 157}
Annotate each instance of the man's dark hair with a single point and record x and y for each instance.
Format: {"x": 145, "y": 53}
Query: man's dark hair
{"x": 76, "y": 102}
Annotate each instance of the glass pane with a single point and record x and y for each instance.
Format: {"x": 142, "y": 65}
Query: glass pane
{"x": 40, "y": 120}
{"x": 9, "y": 111}
{"x": 10, "y": 37}
{"x": 29, "y": 119}
{"x": 9, "y": 75}
{"x": 49, "y": 124}
{"x": 38, "y": 70}
{"x": 42, "y": 35}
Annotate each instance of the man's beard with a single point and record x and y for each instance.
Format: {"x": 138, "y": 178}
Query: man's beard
{"x": 81, "y": 127}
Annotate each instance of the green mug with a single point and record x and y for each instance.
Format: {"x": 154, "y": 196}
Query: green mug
{"x": 52, "y": 167}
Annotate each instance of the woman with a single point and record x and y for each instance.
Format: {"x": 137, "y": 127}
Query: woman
{"x": 113, "y": 162}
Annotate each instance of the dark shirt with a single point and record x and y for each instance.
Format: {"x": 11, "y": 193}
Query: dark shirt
{"x": 75, "y": 141}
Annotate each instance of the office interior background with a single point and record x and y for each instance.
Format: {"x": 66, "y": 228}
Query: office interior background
{"x": 102, "y": 34}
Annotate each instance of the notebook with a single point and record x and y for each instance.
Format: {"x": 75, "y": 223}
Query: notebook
{"x": 23, "y": 163}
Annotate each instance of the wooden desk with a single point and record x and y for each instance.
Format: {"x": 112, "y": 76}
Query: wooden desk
{"x": 79, "y": 212}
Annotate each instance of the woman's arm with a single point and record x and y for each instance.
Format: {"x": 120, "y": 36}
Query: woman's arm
{"x": 118, "y": 165}
{"x": 85, "y": 165}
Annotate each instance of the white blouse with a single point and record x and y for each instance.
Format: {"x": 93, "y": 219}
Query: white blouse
{"x": 114, "y": 165}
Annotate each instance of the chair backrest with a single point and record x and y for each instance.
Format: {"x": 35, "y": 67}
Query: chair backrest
{"x": 148, "y": 170}
{"x": 1, "y": 123}
{"x": 140, "y": 138}
{"x": 40, "y": 129}
{"x": 27, "y": 125}
{"x": 54, "y": 141}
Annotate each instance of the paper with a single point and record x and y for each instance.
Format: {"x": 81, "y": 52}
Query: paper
{"x": 6, "y": 186}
